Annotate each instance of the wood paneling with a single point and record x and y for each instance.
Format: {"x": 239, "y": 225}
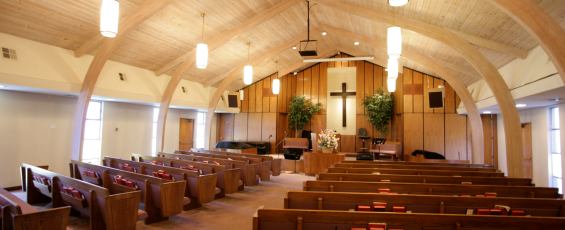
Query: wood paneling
{"x": 398, "y": 95}
{"x": 318, "y": 123}
{"x": 282, "y": 93}
{"x": 300, "y": 83}
{"x": 360, "y": 87}
{"x": 266, "y": 100}
{"x": 455, "y": 137}
{"x": 245, "y": 102}
{"x": 437, "y": 83}
{"x": 269, "y": 127}
{"x": 259, "y": 97}
{"x": 294, "y": 86}
{"x": 369, "y": 75}
{"x": 225, "y": 127}
{"x": 378, "y": 80}
{"x": 348, "y": 143}
{"x": 363, "y": 122}
{"x": 419, "y": 105}
{"x": 307, "y": 88}
{"x": 434, "y": 133}
{"x": 240, "y": 127}
{"x": 449, "y": 99}
{"x": 413, "y": 133}
{"x": 252, "y": 98}
{"x": 254, "y": 126}
{"x": 337, "y": 63}
{"x": 487, "y": 131}
{"x": 495, "y": 139}
{"x": 282, "y": 129}
{"x": 322, "y": 93}
{"x": 408, "y": 99}
{"x": 314, "y": 97}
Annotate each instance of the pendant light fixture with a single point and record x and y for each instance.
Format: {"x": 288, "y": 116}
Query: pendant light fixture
{"x": 308, "y": 47}
{"x": 202, "y": 50}
{"x": 276, "y": 81}
{"x": 397, "y": 2}
{"x": 240, "y": 92}
{"x": 109, "y": 18}
{"x": 392, "y": 74}
{"x": 248, "y": 70}
{"x": 394, "y": 42}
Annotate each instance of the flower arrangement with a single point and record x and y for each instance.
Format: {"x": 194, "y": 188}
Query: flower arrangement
{"x": 327, "y": 141}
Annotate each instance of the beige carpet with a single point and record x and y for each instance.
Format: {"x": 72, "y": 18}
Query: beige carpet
{"x": 233, "y": 212}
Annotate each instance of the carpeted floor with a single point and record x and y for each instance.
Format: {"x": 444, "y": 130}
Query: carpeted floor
{"x": 233, "y": 212}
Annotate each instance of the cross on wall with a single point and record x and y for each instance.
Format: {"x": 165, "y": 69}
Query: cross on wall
{"x": 343, "y": 95}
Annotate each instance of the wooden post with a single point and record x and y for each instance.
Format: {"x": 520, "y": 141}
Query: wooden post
{"x": 304, "y": 188}
{"x": 299, "y": 223}
{"x": 331, "y": 188}
{"x": 532, "y": 195}
{"x": 320, "y": 207}
{"x": 429, "y": 191}
{"x": 441, "y": 207}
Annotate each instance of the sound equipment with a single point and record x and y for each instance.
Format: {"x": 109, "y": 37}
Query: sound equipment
{"x": 232, "y": 101}
{"x": 364, "y": 156}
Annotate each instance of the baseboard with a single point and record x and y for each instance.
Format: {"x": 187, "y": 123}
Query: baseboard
{"x": 9, "y": 189}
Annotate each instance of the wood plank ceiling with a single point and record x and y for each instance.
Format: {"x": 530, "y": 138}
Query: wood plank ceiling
{"x": 176, "y": 30}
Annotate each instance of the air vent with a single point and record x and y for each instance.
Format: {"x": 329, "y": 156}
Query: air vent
{"x": 9, "y": 54}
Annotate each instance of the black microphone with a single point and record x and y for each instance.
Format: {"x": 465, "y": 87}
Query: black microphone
{"x": 270, "y": 136}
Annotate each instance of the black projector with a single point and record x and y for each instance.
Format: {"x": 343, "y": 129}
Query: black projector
{"x": 308, "y": 53}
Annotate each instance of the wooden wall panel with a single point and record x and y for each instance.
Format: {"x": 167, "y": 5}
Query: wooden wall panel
{"x": 345, "y": 63}
{"x": 293, "y": 88}
{"x": 408, "y": 99}
{"x": 314, "y": 94}
{"x": 318, "y": 123}
{"x": 495, "y": 140}
{"x": 280, "y": 98}
{"x": 428, "y": 83}
{"x": 300, "y": 84}
{"x": 437, "y": 83}
{"x": 378, "y": 80}
{"x": 347, "y": 143}
{"x": 398, "y": 95}
{"x": 240, "y": 127}
{"x": 245, "y": 102}
{"x": 419, "y": 98}
{"x": 455, "y": 137}
{"x": 449, "y": 99}
{"x": 259, "y": 97}
{"x": 434, "y": 133}
{"x": 266, "y": 100}
{"x": 360, "y": 86}
{"x": 252, "y": 98}
{"x": 363, "y": 122}
{"x": 457, "y": 101}
{"x": 323, "y": 90}
{"x": 338, "y": 63}
{"x": 487, "y": 131}
{"x": 282, "y": 129}
{"x": 268, "y": 128}
{"x": 307, "y": 78}
{"x": 254, "y": 126}
{"x": 274, "y": 100}
{"x": 289, "y": 93}
{"x": 369, "y": 75}
{"x": 225, "y": 127}
{"x": 331, "y": 64}
{"x": 413, "y": 133}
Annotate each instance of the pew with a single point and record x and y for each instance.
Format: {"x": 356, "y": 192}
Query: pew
{"x": 263, "y": 167}
{"x": 421, "y": 203}
{"x": 432, "y": 189}
{"x": 414, "y": 172}
{"x": 275, "y": 163}
{"x": 228, "y": 177}
{"x": 15, "y": 214}
{"x": 200, "y": 189}
{"x": 161, "y": 198}
{"x": 420, "y": 163}
{"x": 287, "y": 219}
{"x": 425, "y": 179}
{"x": 248, "y": 172}
{"x": 424, "y": 167}
{"x": 23, "y": 175}
{"x": 105, "y": 211}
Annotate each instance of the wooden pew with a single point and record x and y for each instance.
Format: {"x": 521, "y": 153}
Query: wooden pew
{"x": 287, "y": 219}
{"x": 16, "y": 214}
{"x": 419, "y": 163}
{"x": 414, "y": 172}
{"x": 275, "y": 163}
{"x": 424, "y": 167}
{"x": 425, "y": 179}
{"x": 421, "y": 203}
{"x": 228, "y": 178}
{"x": 248, "y": 172}
{"x": 23, "y": 175}
{"x": 200, "y": 189}
{"x": 161, "y": 198}
{"x": 106, "y": 212}
{"x": 263, "y": 169}
{"x": 432, "y": 189}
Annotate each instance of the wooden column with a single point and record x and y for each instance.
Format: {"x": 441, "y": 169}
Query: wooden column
{"x": 140, "y": 15}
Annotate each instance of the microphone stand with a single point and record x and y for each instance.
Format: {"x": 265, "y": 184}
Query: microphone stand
{"x": 269, "y": 145}
{"x": 278, "y": 153}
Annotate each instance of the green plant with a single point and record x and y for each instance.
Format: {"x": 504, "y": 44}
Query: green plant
{"x": 301, "y": 112}
{"x": 379, "y": 109}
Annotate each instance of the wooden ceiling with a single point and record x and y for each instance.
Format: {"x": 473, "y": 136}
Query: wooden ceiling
{"x": 176, "y": 30}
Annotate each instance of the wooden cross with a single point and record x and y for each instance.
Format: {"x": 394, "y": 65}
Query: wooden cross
{"x": 343, "y": 95}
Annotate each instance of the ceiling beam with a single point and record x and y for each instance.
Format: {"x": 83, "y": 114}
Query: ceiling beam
{"x": 492, "y": 45}
{"x": 458, "y": 68}
{"x": 231, "y": 34}
{"x": 511, "y": 118}
{"x": 539, "y": 25}
{"x": 140, "y": 15}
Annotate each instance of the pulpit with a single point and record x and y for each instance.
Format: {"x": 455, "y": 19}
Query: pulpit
{"x": 315, "y": 163}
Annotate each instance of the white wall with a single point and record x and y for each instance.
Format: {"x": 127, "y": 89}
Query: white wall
{"x": 562, "y": 133}
{"x": 337, "y": 76}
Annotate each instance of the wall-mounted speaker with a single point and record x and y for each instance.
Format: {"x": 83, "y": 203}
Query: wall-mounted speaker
{"x": 435, "y": 98}
{"x": 232, "y": 101}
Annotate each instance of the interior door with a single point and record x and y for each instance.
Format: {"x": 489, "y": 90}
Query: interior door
{"x": 225, "y": 127}
{"x": 186, "y": 135}
{"x": 527, "y": 150}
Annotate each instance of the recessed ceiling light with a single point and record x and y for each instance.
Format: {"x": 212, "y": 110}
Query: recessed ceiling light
{"x": 356, "y": 43}
{"x": 324, "y": 33}
{"x": 520, "y": 105}
{"x": 487, "y": 112}
{"x": 295, "y": 73}
{"x": 294, "y": 47}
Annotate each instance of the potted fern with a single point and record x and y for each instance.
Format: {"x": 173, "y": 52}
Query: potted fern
{"x": 379, "y": 109}
{"x": 301, "y": 112}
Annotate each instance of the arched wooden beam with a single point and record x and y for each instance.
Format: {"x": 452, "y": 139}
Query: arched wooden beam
{"x": 541, "y": 26}
{"x": 454, "y": 81}
{"x": 140, "y": 15}
{"x": 511, "y": 119}
{"x": 188, "y": 61}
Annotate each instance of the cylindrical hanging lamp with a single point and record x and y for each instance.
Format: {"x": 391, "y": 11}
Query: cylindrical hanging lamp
{"x": 394, "y": 42}
{"x": 202, "y": 50}
{"x": 109, "y": 18}
{"x": 241, "y": 94}
{"x": 276, "y": 82}
{"x": 391, "y": 84}
{"x": 248, "y": 70}
{"x": 392, "y": 68}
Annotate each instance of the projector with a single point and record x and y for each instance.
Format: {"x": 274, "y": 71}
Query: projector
{"x": 308, "y": 53}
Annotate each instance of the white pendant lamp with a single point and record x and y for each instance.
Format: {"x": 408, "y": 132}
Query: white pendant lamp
{"x": 276, "y": 82}
{"x": 248, "y": 70}
{"x": 394, "y": 42}
{"x": 202, "y": 50}
{"x": 109, "y": 18}
{"x": 397, "y": 2}
{"x": 391, "y": 84}
{"x": 241, "y": 94}
{"x": 392, "y": 74}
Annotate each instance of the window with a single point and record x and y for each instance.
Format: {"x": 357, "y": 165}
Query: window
{"x": 154, "y": 141}
{"x": 555, "y": 149}
{"x": 92, "y": 133}
{"x": 200, "y": 129}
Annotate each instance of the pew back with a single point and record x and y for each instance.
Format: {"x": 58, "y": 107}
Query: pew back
{"x": 420, "y": 163}
{"x": 275, "y": 163}
{"x": 424, "y": 167}
{"x": 414, "y": 172}
{"x": 263, "y": 169}
{"x": 425, "y": 179}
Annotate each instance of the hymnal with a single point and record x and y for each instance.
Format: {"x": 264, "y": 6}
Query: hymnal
{"x": 166, "y": 176}
{"x": 76, "y": 194}
{"x": 398, "y": 209}
{"x": 130, "y": 184}
{"x": 518, "y": 213}
{"x": 363, "y": 208}
{"x": 121, "y": 167}
{"x": 384, "y": 190}
{"x": 505, "y": 209}
{"x": 490, "y": 194}
{"x": 470, "y": 211}
{"x": 483, "y": 211}
{"x": 205, "y": 162}
{"x": 377, "y": 225}
{"x": 496, "y": 212}
{"x": 155, "y": 174}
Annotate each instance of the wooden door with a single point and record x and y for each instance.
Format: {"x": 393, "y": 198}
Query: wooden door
{"x": 527, "y": 150}
{"x": 225, "y": 127}
{"x": 186, "y": 140}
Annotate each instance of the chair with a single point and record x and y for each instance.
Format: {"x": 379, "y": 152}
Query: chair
{"x": 378, "y": 141}
{"x": 294, "y": 148}
{"x": 363, "y": 155}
